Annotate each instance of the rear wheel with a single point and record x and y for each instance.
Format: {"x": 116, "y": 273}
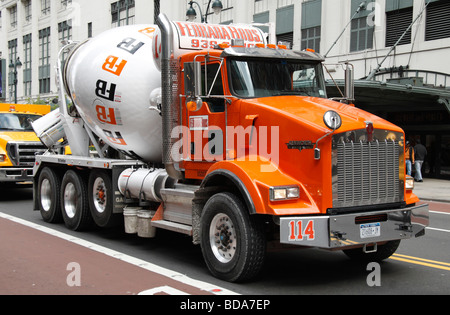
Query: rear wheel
{"x": 233, "y": 242}
{"x": 100, "y": 196}
{"x": 49, "y": 185}
{"x": 74, "y": 205}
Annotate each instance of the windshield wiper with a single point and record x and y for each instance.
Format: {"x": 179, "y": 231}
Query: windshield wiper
{"x": 291, "y": 92}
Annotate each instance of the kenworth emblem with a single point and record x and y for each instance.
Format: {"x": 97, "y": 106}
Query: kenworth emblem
{"x": 369, "y": 129}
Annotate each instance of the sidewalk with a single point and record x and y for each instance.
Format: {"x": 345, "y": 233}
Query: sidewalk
{"x": 433, "y": 190}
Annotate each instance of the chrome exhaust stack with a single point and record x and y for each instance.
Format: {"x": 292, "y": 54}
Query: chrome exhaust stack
{"x": 170, "y": 103}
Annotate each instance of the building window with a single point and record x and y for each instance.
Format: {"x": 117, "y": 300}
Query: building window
{"x": 261, "y": 6}
{"x": 2, "y": 77}
{"x": 362, "y": 30}
{"x": 397, "y": 22}
{"x": 13, "y": 16}
{"x": 28, "y": 11}
{"x": 438, "y": 20}
{"x": 122, "y": 13}
{"x": 65, "y": 3}
{"x": 311, "y": 38}
{"x": 44, "y": 61}
{"x": 89, "y": 29}
{"x": 12, "y": 52}
{"x": 27, "y": 64}
{"x": 64, "y": 35}
{"x": 287, "y": 39}
{"x": 311, "y": 24}
{"x": 285, "y": 25}
{"x": 361, "y": 37}
{"x": 45, "y": 7}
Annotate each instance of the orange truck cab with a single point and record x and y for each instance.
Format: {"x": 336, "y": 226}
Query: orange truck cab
{"x": 18, "y": 142}
{"x": 328, "y": 174}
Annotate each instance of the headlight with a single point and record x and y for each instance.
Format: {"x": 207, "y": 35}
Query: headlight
{"x": 284, "y": 193}
{"x": 2, "y": 157}
{"x": 409, "y": 182}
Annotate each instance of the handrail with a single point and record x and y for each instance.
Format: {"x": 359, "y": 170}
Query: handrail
{"x": 430, "y": 78}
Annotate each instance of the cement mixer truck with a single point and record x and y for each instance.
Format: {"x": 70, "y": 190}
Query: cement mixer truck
{"x": 210, "y": 131}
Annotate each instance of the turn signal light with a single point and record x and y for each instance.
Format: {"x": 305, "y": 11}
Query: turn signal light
{"x": 409, "y": 183}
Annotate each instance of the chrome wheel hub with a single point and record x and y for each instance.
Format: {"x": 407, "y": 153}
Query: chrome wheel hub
{"x": 222, "y": 235}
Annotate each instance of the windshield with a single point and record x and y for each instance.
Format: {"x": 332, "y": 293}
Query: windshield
{"x": 261, "y": 78}
{"x": 17, "y": 122}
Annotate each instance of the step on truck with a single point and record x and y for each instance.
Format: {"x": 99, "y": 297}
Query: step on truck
{"x": 210, "y": 131}
{"x": 18, "y": 142}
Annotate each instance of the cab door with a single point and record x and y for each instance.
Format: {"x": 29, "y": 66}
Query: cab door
{"x": 207, "y": 124}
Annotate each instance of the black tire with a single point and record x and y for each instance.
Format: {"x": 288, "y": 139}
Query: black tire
{"x": 383, "y": 252}
{"x": 74, "y": 204}
{"x": 100, "y": 194}
{"x": 233, "y": 242}
{"x": 48, "y": 195}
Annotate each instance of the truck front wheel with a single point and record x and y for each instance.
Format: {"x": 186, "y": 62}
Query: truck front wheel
{"x": 74, "y": 205}
{"x": 233, "y": 242}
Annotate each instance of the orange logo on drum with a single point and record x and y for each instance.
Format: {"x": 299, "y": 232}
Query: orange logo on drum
{"x": 108, "y": 115}
{"x": 115, "y": 137}
{"x": 148, "y": 31}
{"x": 114, "y": 65}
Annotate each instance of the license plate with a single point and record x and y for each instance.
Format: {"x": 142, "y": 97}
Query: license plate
{"x": 370, "y": 230}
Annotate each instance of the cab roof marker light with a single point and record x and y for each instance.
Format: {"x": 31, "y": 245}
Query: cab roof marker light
{"x": 224, "y": 45}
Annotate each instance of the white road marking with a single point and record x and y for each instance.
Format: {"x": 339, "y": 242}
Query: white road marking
{"x": 129, "y": 259}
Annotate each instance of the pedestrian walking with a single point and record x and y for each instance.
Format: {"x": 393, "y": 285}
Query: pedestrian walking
{"x": 420, "y": 152}
{"x": 409, "y": 157}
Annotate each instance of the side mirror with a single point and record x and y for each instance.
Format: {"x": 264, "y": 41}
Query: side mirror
{"x": 193, "y": 85}
{"x": 193, "y": 79}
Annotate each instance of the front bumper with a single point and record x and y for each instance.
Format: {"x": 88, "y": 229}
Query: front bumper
{"x": 16, "y": 174}
{"x": 347, "y": 230}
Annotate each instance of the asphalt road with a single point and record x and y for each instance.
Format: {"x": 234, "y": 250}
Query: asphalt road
{"x": 420, "y": 266}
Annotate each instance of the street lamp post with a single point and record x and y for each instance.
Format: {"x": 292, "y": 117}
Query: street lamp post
{"x": 13, "y": 66}
{"x": 192, "y": 14}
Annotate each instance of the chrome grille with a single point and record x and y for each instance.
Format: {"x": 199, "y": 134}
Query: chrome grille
{"x": 23, "y": 153}
{"x": 367, "y": 173}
